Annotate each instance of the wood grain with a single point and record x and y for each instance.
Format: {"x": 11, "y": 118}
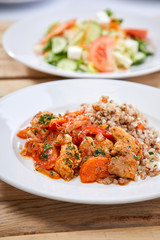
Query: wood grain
{"x": 9, "y": 68}
{"x": 149, "y": 233}
{"x": 39, "y": 215}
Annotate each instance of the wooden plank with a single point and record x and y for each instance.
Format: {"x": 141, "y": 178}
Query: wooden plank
{"x": 9, "y": 193}
{"x": 42, "y": 215}
{"x": 151, "y": 79}
{"x": 143, "y": 233}
{"x": 9, "y": 68}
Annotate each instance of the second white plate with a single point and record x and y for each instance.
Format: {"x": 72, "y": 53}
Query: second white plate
{"x": 18, "y": 108}
{"x": 20, "y": 39}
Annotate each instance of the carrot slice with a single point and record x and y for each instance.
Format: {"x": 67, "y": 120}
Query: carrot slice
{"x": 58, "y": 30}
{"x": 140, "y": 126}
{"x": 23, "y": 133}
{"x": 93, "y": 169}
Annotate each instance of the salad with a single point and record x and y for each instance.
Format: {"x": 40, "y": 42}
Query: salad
{"x": 94, "y": 45}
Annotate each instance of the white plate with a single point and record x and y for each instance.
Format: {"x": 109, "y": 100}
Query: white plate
{"x": 20, "y": 39}
{"x": 18, "y": 108}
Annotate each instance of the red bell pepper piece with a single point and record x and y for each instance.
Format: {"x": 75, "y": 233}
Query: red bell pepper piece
{"x": 93, "y": 129}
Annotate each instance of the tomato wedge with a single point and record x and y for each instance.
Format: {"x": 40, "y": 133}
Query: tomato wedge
{"x": 139, "y": 33}
{"x": 59, "y": 30}
{"x": 101, "y": 54}
{"x": 93, "y": 129}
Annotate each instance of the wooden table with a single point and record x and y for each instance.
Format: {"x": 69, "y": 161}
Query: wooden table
{"x": 35, "y": 217}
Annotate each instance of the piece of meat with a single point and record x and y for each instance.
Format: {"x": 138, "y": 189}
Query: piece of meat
{"x": 63, "y": 139}
{"x": 121, "y": 148}
{"x": 106, "y": 145}
{"x": 42, "y": 119}
{"x": 87, "y": 148}
{"x": 68, "y": 161}
{"x": 90, "y": 147}
{"x": 120, "y": 134}
{"x": 123, "y": 166}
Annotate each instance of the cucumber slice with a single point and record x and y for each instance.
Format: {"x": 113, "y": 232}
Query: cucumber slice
{"x": 77, "y": 38}
{"x": 83, "y": 68}
{"x": 67, "y": 64}
{"x": 58, "y": 44}
{"x": 94, "y": 31}
{"x": 139, "y": 58}
{"x": 49, "y": 57}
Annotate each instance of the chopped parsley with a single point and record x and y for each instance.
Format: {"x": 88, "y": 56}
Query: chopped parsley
{"x": 76, "y": 155}
{"x": 137, "y": 157}
{"x": 46, "y": 118}
{"x": 35, "y": 132}
{"x": 68, "y": 162}
{"x": 46, "y": 147}
{"x": 99, "y": 151}
{"x": 44, "y": 139}
{"x": 151, "y": 160}
{"x": 51, "y": 173}
{"x": 44, "y": 156}
{"x": 57, "y": 141}
{"x": 116, "y": 157}
{"x": 151, "y": 153}
{"x": 69, "y": 153}
{"x": 70, "y": 146}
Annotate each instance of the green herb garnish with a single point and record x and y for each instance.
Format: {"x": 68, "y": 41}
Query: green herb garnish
{"x": 151, "y": 153}
{"x": 99, "y": 151}
{"x": 44, "y": 156}
{"x": 76, "y": 155}
{"x": 46, "y": 118}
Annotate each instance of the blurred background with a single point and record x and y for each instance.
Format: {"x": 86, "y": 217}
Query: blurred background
{"x": 17, "y": 9}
